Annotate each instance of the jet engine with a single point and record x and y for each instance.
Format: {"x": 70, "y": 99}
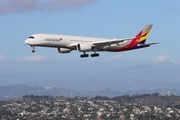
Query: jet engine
{"x": 84, "y": 47}
{"x": 64, "y": 50}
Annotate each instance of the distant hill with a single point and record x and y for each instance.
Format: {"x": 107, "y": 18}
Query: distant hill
{"x": 121, "y": 79}
{"x": 16, "y": 91}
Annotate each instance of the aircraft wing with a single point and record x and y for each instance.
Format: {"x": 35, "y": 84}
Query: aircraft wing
{"x": 115, "y": 41}
{"x": 101, "y": 44}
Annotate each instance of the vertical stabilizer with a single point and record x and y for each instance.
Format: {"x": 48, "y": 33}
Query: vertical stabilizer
{"x": 144, "y": 34}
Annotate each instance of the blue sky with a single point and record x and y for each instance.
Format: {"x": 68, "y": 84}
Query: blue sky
{"x": 96, "y": 18}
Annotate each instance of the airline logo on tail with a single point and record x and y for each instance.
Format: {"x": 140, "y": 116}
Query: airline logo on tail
{"x": 144, "y": 34}
{"x": 139, "y": 41}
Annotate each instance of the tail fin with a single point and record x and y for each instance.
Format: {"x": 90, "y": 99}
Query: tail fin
{"x": 139, "y": 40}
{"x": 140, "y": 37}
{"x": 143, "y": 35}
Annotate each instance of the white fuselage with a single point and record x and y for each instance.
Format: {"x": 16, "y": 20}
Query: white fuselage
{"x": 64, "y": 41}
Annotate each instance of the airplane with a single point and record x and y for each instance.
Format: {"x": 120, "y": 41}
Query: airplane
{"x": 66, "y": 44}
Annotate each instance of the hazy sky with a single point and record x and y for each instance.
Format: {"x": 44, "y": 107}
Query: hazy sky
{"x": 95, "y": 18}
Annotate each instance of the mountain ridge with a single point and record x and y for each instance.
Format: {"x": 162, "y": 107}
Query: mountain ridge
{"x": 17, "y": 91}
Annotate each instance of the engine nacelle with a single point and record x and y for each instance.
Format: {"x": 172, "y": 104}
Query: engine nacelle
{"x": 64, "y": 50}
{"x": 84, "y": 47}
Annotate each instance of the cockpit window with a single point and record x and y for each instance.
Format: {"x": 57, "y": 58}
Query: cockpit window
{"x": 31, "y": 37}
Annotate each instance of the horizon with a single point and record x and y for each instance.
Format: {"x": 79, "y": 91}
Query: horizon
{"x": 91, "y": 18}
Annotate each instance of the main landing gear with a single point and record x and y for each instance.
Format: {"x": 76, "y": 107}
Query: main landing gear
{"x": 95, "y": 55}
{"x": 92, "y": 55}
{"x": 33, "y": 49}
{"x": 84, "y": 55}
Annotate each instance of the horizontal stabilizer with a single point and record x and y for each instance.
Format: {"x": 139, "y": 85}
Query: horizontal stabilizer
{"x": 146, "y": 45}
{"x": 153, "y": 43}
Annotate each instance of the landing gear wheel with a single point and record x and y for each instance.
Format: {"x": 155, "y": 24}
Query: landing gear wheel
{"x": 95, "y": 55}
{"x": 33, "y": 51}
{"x": 84, "y": 55}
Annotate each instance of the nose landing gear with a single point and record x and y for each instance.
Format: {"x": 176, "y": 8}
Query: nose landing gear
{"x": 33, "y": 49}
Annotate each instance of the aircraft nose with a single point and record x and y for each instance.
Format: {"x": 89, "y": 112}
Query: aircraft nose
{"x": 26, "y": 41}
